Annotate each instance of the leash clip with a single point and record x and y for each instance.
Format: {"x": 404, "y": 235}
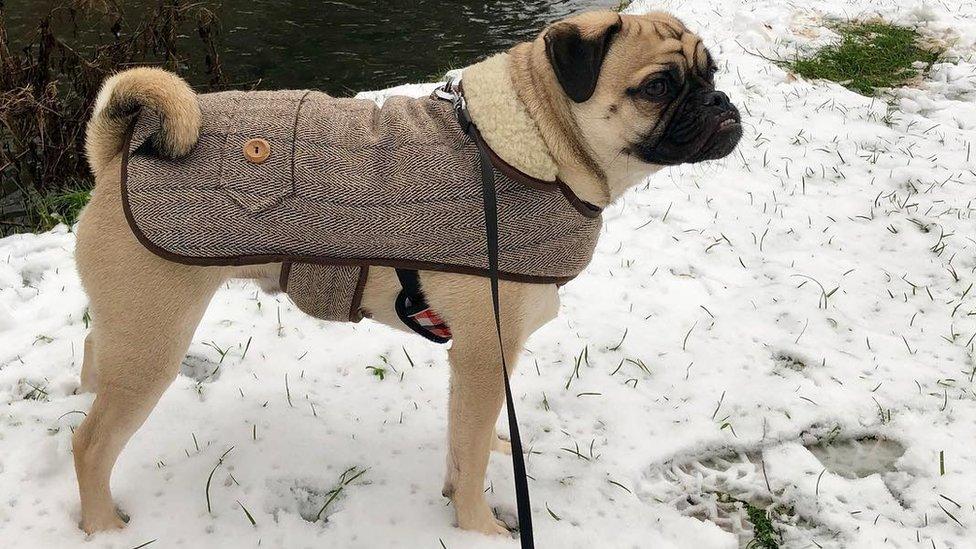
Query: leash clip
{"x": 451, "y": 92}
{"x": 448, "y": 91}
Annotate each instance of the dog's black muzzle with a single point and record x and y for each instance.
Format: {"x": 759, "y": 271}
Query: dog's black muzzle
{"x": 706, "y": 127}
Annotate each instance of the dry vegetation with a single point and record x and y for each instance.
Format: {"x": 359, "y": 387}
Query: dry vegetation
{"x": 47, "y": 87}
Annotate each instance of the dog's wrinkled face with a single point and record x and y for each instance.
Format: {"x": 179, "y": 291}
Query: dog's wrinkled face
{"x": 642, "y": 86}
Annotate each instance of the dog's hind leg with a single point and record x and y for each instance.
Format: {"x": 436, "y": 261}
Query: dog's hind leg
{"x": 144, "y": 312}
{"x": 138, "y": 355}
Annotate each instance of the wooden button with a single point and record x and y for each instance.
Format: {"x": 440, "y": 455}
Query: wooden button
{"x": 256, "y": 150}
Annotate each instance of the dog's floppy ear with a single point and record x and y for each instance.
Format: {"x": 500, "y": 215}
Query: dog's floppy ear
{"x": 576, "y": 50}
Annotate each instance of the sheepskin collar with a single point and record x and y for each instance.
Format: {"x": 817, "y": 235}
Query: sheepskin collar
{"x": 503, "y": 119}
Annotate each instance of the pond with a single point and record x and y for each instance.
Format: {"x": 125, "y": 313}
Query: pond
{"x": 346, "y": 46}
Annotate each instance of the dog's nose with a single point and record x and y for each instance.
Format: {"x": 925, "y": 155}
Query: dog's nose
{"x": 717, "y": 99}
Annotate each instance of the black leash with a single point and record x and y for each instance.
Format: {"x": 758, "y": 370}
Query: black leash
{"x": 491, "y": 233}
{"x": 518, "y": 460}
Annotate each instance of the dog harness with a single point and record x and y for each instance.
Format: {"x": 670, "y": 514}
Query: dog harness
{"x": 329, "y": 186}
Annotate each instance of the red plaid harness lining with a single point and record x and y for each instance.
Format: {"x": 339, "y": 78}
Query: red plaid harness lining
{"x": 413, "y": 310}
{"x": 432, "y": 322}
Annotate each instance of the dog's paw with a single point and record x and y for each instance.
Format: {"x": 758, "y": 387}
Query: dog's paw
{"x": 501, "y": 446}
{"x": 115, "y": 520}
{"x": 450, "y": 478}
{"x": 481, "y": 519}
{"x": 488, "y": 525}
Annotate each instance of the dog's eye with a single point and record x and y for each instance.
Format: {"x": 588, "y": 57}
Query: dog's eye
{"x": 656, "y": 88}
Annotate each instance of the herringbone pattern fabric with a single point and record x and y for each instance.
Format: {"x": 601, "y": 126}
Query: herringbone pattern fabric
{"x": 346, "y": 182}
{"x": 325, "y": 291}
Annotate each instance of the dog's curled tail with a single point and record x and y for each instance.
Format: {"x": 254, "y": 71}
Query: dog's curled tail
{"x": 123, "y": 95}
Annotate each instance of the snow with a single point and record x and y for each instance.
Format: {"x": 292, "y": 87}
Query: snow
{"x": 792, "y": 326}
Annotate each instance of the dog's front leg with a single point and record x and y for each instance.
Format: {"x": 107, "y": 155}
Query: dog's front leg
{"x": 477, "y": 387}
{"x": 476, "y": 397}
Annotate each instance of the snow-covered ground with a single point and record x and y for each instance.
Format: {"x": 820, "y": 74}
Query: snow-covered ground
{"x": 792, "y": 326}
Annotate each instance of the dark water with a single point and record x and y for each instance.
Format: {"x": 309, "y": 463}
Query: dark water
{"x": 342, "y": 47}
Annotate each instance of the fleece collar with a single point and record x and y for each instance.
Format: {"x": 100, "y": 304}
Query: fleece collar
{"x": 503, "y": 119}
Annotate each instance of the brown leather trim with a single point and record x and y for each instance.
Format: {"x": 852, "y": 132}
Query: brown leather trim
{"x": 355, "y": 312}
{"x": 583, "y": 207}
{"x": 283, "y": 276}
{"x": 259, "y": 259}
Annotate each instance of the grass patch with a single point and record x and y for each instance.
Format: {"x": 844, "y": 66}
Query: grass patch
{"x": 346, "y": 479}
{"x": 57, "y": 207}
{"x": 28, "y": 209}
{"x": 764, "y": 534}
{"x": 869, "y": 56}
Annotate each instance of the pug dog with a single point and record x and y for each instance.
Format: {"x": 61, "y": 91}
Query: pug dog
{"x": 606, "y": 99}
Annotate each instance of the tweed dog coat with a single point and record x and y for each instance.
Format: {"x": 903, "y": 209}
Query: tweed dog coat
{"x": 345, "y": 184}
